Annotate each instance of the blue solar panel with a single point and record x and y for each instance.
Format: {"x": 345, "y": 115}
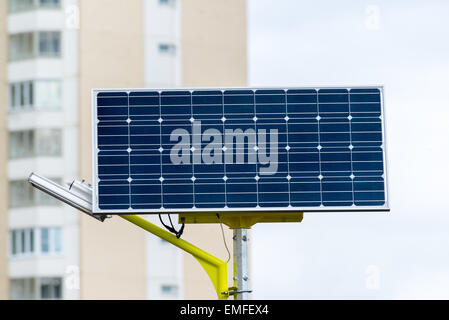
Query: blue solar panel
{"x": 239, "y": 150}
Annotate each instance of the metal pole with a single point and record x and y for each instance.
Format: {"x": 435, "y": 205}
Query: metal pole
{"x": 241, "y": 263}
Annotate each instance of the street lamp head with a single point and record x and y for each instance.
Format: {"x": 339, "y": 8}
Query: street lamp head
{"x": 77, "y": 195}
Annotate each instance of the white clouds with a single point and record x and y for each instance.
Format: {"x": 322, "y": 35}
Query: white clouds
{"x": 327, "y": 43}
{"x": 425, "y": 286}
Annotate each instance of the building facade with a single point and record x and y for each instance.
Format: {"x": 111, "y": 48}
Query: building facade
{"x": 53, "y": 53}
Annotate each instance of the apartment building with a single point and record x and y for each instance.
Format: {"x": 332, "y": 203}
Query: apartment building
{"x": 53, "y": 52}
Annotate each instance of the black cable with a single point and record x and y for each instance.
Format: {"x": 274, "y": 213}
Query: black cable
{"x": 171, "y": 229}
{"x": 177, "y": 233}
{"x": 171, "y": 223}
{"x": 181, "y": 230}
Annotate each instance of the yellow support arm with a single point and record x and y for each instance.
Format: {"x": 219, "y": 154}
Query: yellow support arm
{"x": 215, "y": 268}
{"x": 236, "y": 220}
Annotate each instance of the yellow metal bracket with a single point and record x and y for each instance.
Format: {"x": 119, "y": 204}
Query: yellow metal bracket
{"x": 214, "y": 267}
{"x": 240, "y": 220}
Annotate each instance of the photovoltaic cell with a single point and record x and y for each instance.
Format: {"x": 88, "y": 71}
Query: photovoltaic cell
{"x": 239, "y": 150}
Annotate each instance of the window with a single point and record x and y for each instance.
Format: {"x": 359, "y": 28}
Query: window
{"x": 23, "y": 289}
{"x": 49, "y": 142}
{"x": 57, "y": 240}
{"x": 22, "y": 195}
{"x": 167, "y": 2}
{"x": 37, "y": 94}
{"x": 20, "y": 5}
{"x": 23, "y": 5}
{"x": 36, "y": 288}
{"x": 21, "y": 46}
{"x": 50, "y": 288}
{"x": 21, "y": 144}
{"x": 27, "y": 45}
{"x": 167, "y": 48}
{"x": 51, "y": 241}
{"x": 35, "y": 143}
{"x": 21, "y": 95}
{"x": 47, "y": 94}
{"x": 169, "y": 290}
{"x": 53, "y": 4}
{"x": 22, "y": 241}
{"x": 49, "y": 43}
{"x": 13, "y": 103}
{"x": 45, "y": 241}
{"x": 31, "y": 240}
{"x": 13, "y": 241}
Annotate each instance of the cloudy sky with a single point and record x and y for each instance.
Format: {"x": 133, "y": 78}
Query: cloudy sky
{"x": 404, "y": 46}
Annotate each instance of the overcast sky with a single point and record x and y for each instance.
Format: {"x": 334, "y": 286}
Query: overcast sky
{"x": 404, "y": 46}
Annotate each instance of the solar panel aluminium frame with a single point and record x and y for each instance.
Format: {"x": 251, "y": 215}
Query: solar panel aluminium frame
{"x": 95, "y": 202}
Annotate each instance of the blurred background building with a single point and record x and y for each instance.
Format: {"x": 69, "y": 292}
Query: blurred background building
{"x": 52, "y": 53}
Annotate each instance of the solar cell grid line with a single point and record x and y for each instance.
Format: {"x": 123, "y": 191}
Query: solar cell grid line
{"x": 223, "y": 120}
{"x": 177, "y": 170}
{"x": 196, "y": 148}
{"x": 113, "y": 165}
{"x": 335, "y": 142}
{"x": 159, "y": 120}
{"x": 254, "y": 152}
{"x": 144, "y": 110}
{"x": 271, "y": 138}
{"x": 369, "y": 178}
{"x": 240, "y": 175}
{"x": 128, "y": 121}
{"x": 237, "y": 149}
{"x": 305, "y": 186}
{"x": 351, "y": 148}
{"x": 319, "y": 148}
{"x": 208, "y": 114}
{"x": 287, "y": 148}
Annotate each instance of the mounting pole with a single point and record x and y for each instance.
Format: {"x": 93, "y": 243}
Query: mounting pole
{"x": 241, "y": 270}
{"x": 240, "y": 223}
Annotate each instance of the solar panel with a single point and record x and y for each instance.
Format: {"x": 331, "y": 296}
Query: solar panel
{"x": 302, "y": 149}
